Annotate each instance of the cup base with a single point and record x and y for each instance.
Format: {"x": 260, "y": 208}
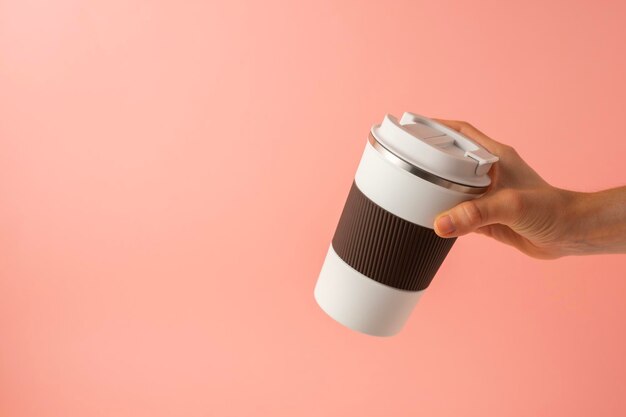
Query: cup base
{"x": 360, "y": 303}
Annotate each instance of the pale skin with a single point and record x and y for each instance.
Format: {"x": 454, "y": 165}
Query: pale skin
{"x": 522, "y": 210}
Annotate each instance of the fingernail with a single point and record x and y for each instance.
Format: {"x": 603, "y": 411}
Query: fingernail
{"x": 444, "y": 225}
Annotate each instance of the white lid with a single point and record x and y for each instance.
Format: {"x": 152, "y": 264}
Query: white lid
{"x": 435, "y": 148}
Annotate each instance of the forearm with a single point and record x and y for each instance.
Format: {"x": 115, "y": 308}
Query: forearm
{"x": 598, "y": 221}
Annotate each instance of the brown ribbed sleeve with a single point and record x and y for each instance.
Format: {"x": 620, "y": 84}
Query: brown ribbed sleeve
{"x": 385, "y": 247}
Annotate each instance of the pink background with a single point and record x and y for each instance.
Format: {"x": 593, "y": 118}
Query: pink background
{"x": 171, "y": 174}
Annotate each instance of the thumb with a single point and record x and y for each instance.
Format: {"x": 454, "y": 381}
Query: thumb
{"x": 503, "y": 207}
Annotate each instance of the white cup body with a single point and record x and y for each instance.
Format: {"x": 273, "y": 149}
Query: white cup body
{"x": 381, "y": 306}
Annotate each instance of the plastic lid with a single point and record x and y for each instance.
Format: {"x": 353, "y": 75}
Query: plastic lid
{"x": 435, "y": 148}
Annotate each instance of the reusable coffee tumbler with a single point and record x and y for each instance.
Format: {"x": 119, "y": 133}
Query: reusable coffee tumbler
{"x": 384, "y": 252}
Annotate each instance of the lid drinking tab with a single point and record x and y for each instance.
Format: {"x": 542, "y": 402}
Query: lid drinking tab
{"x": 435, "y": 148}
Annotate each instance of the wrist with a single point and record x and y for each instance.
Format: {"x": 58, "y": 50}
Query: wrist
{"x": 594, "y": 222}
{"x": 578, "y": 221}
{"x": 571, "y": 213}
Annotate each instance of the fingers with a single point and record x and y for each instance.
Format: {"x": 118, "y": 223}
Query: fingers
{"x": 472, "y": 133}
{"x": 504, "y": 207}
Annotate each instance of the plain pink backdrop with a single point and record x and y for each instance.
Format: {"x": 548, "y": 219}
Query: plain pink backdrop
{"x": 171, "y": 173}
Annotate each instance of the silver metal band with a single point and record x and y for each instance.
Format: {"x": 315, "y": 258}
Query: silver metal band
{"x": 419, "y": 172}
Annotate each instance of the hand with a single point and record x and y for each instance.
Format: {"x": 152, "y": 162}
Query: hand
{"x": 522, "y": 210}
